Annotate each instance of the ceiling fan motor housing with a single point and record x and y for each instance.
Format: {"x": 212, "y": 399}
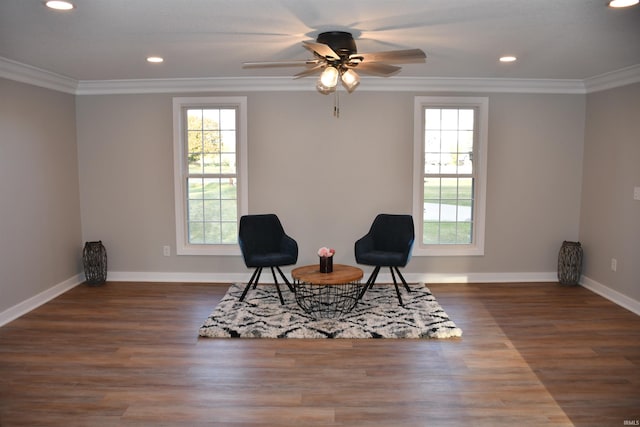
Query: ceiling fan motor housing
{"x": 341, "y": 42}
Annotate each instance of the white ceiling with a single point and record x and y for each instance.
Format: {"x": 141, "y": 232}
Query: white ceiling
{"x": 110, "y": 39}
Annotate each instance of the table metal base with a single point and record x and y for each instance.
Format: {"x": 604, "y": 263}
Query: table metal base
{"x": 327, "y": 301}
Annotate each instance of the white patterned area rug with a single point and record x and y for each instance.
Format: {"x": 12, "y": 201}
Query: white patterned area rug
{"x": 377, "y": 315}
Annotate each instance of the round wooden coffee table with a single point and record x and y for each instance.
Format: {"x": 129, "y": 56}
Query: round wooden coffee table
{"x": 327, "y": 295}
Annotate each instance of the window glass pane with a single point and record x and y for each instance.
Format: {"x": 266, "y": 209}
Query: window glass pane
{"x": 211, "y": 188}
{"x": 449, "y": 163}
{"x": 195, "y": 163}
{"x": 449, "y": 141}
{"x": 432, "y": 118}
{"x": 465, "y": 141}
{"x": 450, "y": 119}
{"x": 228, "y": 119}
{"x": 431, "y": 210}
{"x": 195, "y": 142}
{"x": 432, "y": 163}
{"x": 465, "y": 188}
{"x": 431, "y": 232}
{"x": 432, "y": 140}
{"x": 228, "y": 141}
{"x": 195, "y": 187}
{"x": 211, "y": 163}
{"x": 212, "y": 233}
{"x": 211, "y": 210}
{"x": 228, "y": 163}
{"x": 211, "y": 142}
{"x": 449, "y": 188}
{"x": 196, "y": 232}
{"x": 196, "y": 210}
{"x": 432, "y": 188}
{"x": 229, "y": 232}
{"x": 448, "y": 233}
{"x": 464, "y": 211}
{"x": 194, "y": 119}
{"x": 448, "y": 210}
{"x": 210, "y": 119}
{"x": 229, "y": 210}
{"x": 465, "y": 119}
{"x": 464, "y": 233}
{"x": 228, "y": 189}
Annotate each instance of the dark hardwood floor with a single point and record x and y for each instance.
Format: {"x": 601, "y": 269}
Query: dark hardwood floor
{"x": 534, "y": 354}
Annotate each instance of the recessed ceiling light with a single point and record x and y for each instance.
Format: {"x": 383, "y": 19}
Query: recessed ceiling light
{"x": 155, "y": 59}
{"x": 507, "y": 58}
{"x": 59, "y": 5}
{"x": 623, "y": 3}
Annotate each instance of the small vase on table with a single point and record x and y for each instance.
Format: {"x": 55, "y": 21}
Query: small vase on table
{"x": 326, "y": 259}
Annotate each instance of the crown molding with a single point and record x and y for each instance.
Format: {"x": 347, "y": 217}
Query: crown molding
{"x": 17, "y": 71}
{"x": 24, "y": 73}
{"x": 185, "y": 85}
{"x": 368, "y": 84}
{"x": 613, "y": 79}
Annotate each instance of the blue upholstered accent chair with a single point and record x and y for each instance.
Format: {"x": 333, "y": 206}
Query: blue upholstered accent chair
{"x": 264, "y": 243}
{"x": 387, "y": 244}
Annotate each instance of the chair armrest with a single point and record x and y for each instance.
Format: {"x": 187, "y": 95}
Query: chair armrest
{"x": 363, "y": 245}
{"x": 289, "y": 245}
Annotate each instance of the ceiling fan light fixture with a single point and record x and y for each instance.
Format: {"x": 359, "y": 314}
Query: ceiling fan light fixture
{"x": 623, "y": 3}
{"x": 350, "y": 80}
{"x": 324, "y": 89}
{"x": 329, "y": 77}
{"x": 59, "y": 5}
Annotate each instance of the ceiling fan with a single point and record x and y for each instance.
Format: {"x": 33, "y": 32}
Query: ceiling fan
{"x": 335, "y": 56}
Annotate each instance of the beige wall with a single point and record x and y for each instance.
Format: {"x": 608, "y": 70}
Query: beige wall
{"x": 40, "y": 231}
{"x": 327, "y": 178}
{"x": 610, "y": 218}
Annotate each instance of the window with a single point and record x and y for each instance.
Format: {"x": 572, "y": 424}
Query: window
{"x": 450, "y": 157}
{"x": 210, "y": 173}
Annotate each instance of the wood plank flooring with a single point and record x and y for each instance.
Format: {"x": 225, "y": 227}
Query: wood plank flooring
{"x": 128, "y": 354}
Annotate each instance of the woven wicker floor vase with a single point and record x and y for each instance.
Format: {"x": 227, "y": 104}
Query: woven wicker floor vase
{"x": 94, "y": 258}
{"x": 570, "y": 263}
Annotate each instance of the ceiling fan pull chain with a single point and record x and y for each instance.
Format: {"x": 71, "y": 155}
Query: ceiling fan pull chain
{"x": 336, "y": 105}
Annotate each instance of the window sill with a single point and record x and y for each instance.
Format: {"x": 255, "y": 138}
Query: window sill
{"x": 208, "y": 250}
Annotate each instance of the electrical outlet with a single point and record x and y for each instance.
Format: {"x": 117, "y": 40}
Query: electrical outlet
{"x": 166, "y": 250}
{"x": 636, "y": 193}
{"x": 614, "y": 264}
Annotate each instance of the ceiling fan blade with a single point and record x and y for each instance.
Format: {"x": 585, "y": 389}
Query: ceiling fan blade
{"x": 266, "y": 64}
{"x": 377, "y": 69}
{"x": 308, "y": 72}
{"x": 393, "y": 56}
{"x": 321, "y": 49}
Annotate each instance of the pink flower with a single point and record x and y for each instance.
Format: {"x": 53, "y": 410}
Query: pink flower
{"x": 326, "y": 252}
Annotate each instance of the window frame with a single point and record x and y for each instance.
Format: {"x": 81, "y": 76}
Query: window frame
{"x": 181, "y": 171}
{"x": 481, "y": 104}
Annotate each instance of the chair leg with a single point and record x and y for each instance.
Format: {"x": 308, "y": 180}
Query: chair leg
{"x": 255, "y": 276}
{"x": 370, "y": 281}
{"x": 395, "y": 283}
{"x": 289, "y": 285}
{"x": 275, "y": 280}
{"x": 404, "y": 282}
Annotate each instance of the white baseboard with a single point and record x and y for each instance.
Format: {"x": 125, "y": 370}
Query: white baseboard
{"x": 611, "y": 294}
{"x": 475, "y": 277}
{"x": 172, "y": 277}
{"x": 36, "y": 301}
{"x": 266, "y": 277}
